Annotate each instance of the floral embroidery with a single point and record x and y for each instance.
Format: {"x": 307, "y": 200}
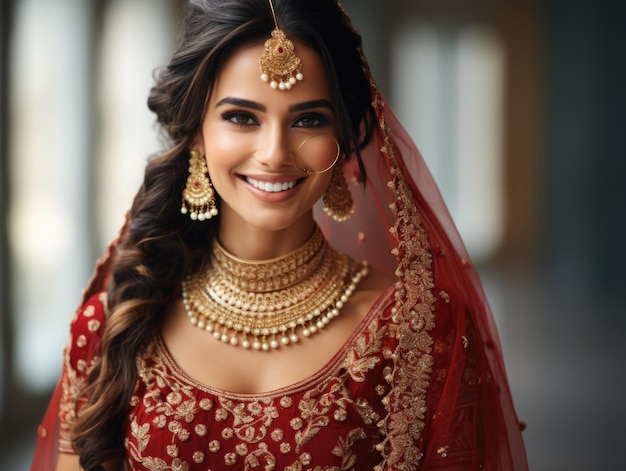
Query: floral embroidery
{"x": 361, "y": 360}
{"x": 412, "y": 317}
{"x": 176, "y": 424}
{"x": 140, "y": 433}
{"x": 344, "y": 448}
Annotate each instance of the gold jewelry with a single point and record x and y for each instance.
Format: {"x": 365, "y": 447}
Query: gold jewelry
{"x": 267, "y": 304}
{"x": 337, "y": 200}
{"x": 279, "y": 65}
{"x": 198, "y": 195}
{"x": 314, "y": 152}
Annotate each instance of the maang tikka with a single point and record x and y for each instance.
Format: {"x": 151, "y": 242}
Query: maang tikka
{"x": 279, "y": 65}
{"x": 198, "y": 195}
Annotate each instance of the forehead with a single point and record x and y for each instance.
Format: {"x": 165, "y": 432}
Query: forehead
{"x": 240, "y": 77}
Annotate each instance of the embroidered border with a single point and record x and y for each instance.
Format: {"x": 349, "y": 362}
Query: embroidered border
{"x": 412, "y": 317}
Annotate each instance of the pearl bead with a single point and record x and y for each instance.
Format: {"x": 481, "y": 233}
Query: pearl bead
{"x": 256, "y": 345}
{"x": 284, "y": 340}
{"x": 217, "y": 335}
{"x": 264, "y": 77}
{"x": 245, "y": 343}
{"x": 299, "y": 76}
{"x": 274, "y": 344}
{"x": 274, "y": 84}
{"x": 234, "y": 340}
{"x": 213, "y": 211}
{"x": 292, "y": 80}
{"x": 306, "y": 332}
{"x": 293, "y": 338}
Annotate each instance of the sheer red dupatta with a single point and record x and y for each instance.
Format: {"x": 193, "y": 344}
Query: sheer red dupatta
{"x": 46, "y": 450}
{"x": 401, "y": 225}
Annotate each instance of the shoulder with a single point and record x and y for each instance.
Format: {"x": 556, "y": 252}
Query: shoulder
{"x": 86, "y": 330}
{"x": 89, "y": 317}
{"x": 377, "y": 284}
{"x": 373, "y": 292}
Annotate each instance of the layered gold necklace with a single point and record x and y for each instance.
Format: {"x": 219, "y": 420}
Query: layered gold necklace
{"x": 267, "y": 304}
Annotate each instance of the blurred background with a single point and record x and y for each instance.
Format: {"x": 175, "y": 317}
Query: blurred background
{"x": 518, "y": 107}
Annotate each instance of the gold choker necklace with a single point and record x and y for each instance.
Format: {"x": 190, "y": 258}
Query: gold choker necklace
{"x": 266, "y": 304}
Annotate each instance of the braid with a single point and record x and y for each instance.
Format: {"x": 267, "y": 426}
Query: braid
{"x": 159, "y": 248}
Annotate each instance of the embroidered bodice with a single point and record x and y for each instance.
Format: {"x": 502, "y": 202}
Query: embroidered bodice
{"x": 325, "y": 422}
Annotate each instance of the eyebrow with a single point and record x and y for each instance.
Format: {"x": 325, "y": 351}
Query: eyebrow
{"x": 306, "y": 105}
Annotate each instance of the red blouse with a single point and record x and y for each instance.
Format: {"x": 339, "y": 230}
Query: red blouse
{"x": 328, "y": 421}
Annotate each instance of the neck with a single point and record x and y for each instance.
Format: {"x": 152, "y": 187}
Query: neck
{"x": 263, "y": 304}
{"x": 255, "y": 243}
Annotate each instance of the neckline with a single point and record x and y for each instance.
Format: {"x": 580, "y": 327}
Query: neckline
{"x": 305, "y": 383}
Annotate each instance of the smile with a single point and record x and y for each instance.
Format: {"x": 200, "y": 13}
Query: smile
{"x": 271, "y": 187}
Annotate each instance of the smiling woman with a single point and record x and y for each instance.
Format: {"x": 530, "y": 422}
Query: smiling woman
{"x": 251, "y": 330}
{"x": 250, "y": 137}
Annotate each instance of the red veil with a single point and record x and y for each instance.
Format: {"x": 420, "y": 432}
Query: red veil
{"x": 401, "y": 225}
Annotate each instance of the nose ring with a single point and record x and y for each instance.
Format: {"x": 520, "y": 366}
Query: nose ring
{"x": 308, "y": 171}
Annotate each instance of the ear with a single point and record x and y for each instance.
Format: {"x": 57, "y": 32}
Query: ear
{"x": 198, "y": 143}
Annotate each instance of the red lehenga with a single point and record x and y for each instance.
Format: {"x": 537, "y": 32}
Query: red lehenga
{"x": 420, "y": 385}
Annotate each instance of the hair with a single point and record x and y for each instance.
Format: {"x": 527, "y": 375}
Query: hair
{"x": 160, "y": 246}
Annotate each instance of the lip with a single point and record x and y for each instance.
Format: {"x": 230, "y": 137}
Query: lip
{"x": 283, "y": 186}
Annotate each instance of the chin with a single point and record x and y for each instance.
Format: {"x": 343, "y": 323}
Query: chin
{"x": 277, "y": 220}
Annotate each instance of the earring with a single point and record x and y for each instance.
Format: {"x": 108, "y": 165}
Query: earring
{"x": 337, "y": 199}
{"x": 198, "y": 195}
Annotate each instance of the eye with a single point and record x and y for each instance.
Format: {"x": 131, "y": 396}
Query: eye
{"x": 312, "y": 120}
{"x": 239, "y": 118}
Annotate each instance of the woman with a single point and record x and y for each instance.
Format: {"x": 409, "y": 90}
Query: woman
{"x": 231, "y": 331}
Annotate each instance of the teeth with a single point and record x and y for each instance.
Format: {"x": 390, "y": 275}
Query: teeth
{"x": 271, "y": 187}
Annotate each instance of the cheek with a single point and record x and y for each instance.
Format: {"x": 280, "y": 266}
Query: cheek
{"x": 223, "y": 150}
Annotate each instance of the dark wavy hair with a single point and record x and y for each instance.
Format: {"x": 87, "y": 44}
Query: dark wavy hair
{"x": 161, "y": 246}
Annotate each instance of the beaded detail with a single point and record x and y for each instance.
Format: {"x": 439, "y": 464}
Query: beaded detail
{"x": 267, "y": 304}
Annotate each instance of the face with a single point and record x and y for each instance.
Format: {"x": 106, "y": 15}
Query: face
{"x": 251, "y": 134}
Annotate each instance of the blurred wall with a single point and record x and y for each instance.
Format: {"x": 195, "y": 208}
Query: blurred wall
{"x": 584, "y": 152}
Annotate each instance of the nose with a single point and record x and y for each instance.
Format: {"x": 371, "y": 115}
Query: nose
{"x": 274, "y": 151}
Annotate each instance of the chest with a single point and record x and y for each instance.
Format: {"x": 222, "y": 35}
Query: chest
{"x": 208, "y": 360}
{"x": 328, "y": 419}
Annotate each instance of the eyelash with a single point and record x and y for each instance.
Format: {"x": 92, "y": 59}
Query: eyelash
{"x": 320, "y": 119}
{"x": 239, "y": 118}
{"x": 244, "y": 119}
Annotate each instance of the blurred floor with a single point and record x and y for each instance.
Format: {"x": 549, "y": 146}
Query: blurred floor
{"x": 565, "y": 358}
{"x": 565, "y": 362}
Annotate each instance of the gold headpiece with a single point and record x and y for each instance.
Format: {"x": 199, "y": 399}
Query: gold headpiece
{"x": 279, "y": 64}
